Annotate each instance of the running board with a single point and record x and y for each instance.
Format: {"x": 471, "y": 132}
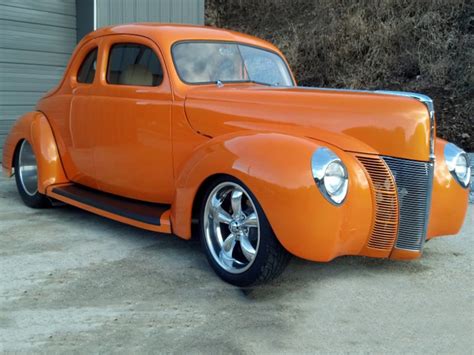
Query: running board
{"x": 146, "y": 215}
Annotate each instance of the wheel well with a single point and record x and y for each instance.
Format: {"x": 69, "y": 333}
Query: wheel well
{"x": 197, "y": 203}
{"x": 15, "y": 152}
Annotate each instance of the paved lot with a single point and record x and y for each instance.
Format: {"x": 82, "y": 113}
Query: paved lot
{"x": 70, "y": 280}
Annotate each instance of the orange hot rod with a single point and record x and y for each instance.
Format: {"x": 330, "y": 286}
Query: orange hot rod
{"x": 194, "y": 130}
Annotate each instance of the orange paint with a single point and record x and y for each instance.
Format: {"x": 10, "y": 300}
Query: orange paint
{"x": 162, "y": 143}
{"x": 34, "y": 127}
{"x": 449, "y": 201}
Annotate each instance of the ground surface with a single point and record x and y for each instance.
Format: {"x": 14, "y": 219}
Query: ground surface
{"x": 70, "y": 280}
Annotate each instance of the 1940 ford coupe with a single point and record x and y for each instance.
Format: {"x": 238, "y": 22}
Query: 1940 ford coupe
{"x": 200, "y": 131}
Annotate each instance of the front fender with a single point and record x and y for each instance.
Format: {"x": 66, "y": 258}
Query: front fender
{"x": 449, "y": 199}
{"x": 277, "y": 169}
{"x": 35, "y": 128}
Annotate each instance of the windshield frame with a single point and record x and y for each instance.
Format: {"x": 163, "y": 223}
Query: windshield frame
{"x": 290, "y": 73}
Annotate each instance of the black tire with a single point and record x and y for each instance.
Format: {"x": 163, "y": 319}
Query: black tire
{"x": 31, "y": 199}
{"x": 271, "y": 258}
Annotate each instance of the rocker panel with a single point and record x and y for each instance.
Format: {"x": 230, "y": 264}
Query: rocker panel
{"x": 150, "y": 216}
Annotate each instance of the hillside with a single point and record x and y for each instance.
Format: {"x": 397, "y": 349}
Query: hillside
{"x": 425, "y": 46}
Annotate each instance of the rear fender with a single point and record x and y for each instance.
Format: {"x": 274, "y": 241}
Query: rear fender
{"x": 35, "y": 128}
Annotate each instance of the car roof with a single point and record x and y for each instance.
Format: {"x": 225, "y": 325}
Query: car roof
{"x": 167, "y": 34}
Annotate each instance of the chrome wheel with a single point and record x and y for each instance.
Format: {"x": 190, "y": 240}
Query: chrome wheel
{"x": 27, "y": 169}
{"x": 231, "y": 227}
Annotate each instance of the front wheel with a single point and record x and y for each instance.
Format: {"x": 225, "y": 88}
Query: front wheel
{"x": 26, "y": 177}
{"x": 238, "y": 240}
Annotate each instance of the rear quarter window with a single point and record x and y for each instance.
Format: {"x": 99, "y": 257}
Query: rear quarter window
{"x": 87, "y": 69}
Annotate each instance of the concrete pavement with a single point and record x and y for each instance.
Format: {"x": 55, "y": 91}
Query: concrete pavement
{"x": 73, "y": 281}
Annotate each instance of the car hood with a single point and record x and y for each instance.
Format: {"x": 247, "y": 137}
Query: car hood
{"x": 363, "y": 122}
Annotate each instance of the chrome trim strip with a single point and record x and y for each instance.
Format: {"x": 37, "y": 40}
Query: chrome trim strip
{"x": 430, "y": 196}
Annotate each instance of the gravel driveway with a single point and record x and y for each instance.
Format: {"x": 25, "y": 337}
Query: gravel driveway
{"x": 70, "y": 280}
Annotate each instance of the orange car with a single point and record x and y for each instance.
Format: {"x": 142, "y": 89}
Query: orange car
{"x": 181, "y": 129}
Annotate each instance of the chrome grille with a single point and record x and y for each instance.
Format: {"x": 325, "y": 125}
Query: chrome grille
{"x": 384, "y": 230}
{"x": 414, "y": 183}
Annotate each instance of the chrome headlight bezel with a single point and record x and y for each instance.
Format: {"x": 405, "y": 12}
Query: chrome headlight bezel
{"x": 452, "y": 156}
{"x": 325, "y": 165}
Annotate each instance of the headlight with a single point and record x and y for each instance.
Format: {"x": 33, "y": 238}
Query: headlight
{"x": 330, "y": 175}
{"x": 458, "y": 163}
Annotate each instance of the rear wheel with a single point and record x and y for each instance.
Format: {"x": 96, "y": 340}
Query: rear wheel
{"x": 239, "y": 242}
{"x": 26, "y": 177}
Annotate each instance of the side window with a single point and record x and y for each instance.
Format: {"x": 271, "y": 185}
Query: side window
{"x": 86, "y": 72}
{"x": 133, "y": 64}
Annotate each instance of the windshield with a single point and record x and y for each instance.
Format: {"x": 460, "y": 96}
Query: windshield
{"x": 208, "y": 62}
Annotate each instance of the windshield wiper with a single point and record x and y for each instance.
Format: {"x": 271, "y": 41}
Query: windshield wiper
{"x": 222, "y": 82}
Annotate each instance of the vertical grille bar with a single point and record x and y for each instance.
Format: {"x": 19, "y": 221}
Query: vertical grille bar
{"x": 414, "y": 183}
{"x": 384, "y": 192}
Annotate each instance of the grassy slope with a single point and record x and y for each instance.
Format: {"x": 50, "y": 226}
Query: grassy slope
{"x": 419, "y": 45}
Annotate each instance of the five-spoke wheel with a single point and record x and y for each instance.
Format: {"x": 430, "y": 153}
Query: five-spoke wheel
{"x": 231, "y": 227}
{"x": 237, "y": 237}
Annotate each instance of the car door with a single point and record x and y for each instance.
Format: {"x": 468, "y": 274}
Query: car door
{"x": 131, "y": 115}
{"x": 77, "y": 131}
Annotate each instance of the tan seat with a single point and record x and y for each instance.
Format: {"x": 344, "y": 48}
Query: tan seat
{"x": 136, "y": 74}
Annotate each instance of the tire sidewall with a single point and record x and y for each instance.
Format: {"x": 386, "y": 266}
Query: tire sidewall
{"x": 252, "y": 275}
{"x": 37, "y": 200}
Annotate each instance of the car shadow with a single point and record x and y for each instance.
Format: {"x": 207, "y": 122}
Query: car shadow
{"x": 300, "y": 273}
{"x": 173, "y": 253}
